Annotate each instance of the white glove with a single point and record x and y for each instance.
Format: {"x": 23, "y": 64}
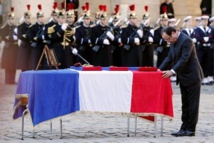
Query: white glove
{"x": 152, "y": 32}
{"x": 110, "y": 20}
{"x": 64, "y": 26}
{"x": 89, "y": 41}
{"x": 150, "y": 39}
{"x": 119, "y": 40}
{"x": 74, "y": 51}
{"x": 140, "y": 33}
{"x": 206, "y": 39}
{"x": 194, "y": 40}
{"x": 136, "y": 40}
{"x": 43, "y": 37}
{"x": 15, "y": 37}
{"x": 106, "y": 42}
{"x": 110, "y": 35}
{"x": 16, "y": 30}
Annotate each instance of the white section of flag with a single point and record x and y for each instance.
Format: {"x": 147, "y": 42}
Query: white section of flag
{"x": 105, "y": 91}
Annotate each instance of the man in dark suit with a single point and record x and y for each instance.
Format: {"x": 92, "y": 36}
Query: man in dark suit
{"x": 189, "y": 74}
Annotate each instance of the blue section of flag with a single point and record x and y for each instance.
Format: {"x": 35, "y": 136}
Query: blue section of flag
{"x": 51, "y": 93}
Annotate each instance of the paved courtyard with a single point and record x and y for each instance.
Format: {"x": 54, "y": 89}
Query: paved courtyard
{"x": 103, "y": 128}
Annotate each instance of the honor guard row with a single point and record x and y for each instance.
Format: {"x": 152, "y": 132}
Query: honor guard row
{"x": 102, "y": 42}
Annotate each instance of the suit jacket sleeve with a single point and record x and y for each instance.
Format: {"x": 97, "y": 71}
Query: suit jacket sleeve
{"x": 186, "y": 50}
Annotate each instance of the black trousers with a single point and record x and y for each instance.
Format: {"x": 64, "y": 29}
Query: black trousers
{"x": 204, "y": 57}
{"x": 190, "y": 96}
{"x": 10, "y": 76}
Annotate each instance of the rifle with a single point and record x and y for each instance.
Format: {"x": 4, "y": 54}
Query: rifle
{"x": 142, "y": 25}
{"x": 156, "y": 23}
{"x": 176, "y": 24}
{"x": 103, "y": 36}
{"x": 38, "y": 36}
{"x": 133, "y": 35}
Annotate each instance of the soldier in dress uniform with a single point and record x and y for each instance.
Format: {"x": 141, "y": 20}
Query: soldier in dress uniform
{"x": 48, "y": 28}
{"x": 148, "y": 35}
{"x": 62, "y": 37}
{"x": 97, "y": 15}
{"x": 23, "y": 57}
{"x": 204, "y": 35}
{"x": 163, "y": 46}
{"x": 102, "y": 37}
{"x": 188, "y": 30}
{"x": 34, "y": 36}
{"x": 211, "y": 77}
{"x": 211, "y": 22}
{"x": 83, "y": 41}
{"x": 130, "y": 37}
{"x": 70, "y": 18}
{"x": 197, "y": 21}
{"x": 8, "y": 33}
{"x": 116, "y": 45}
{"x": 75, "y": 3}
{"x": 169, "y": 9}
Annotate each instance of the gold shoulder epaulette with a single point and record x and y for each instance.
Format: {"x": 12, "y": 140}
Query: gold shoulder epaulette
{"x": 51, "y": 29}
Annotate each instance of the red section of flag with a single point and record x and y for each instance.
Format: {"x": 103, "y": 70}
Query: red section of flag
{"x": 151, "y": 95}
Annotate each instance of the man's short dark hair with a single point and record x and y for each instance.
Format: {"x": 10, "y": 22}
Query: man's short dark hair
{"x": 168, "y": 30}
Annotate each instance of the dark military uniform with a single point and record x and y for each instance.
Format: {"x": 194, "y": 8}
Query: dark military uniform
{"x": 130, "y": 57}
{"x": 169, "y": 9}
{"x": 103, "y": 57}
{"x": 34, "y": 36}
{"x": 148, "y": 49}
{"x": 70, "y": 58}
{"x": 163, "y": 47}
{"x": 116, "y": 47}
{"x": 84, "y": 45}
{"x": 60, "y": 42}
{"x": 189, "y": 32}
{"x": 24, "y": 49}
{"x": 204, "y": 50}
{"x": 9, "y": 55}
{"x": 48, "y": 29}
